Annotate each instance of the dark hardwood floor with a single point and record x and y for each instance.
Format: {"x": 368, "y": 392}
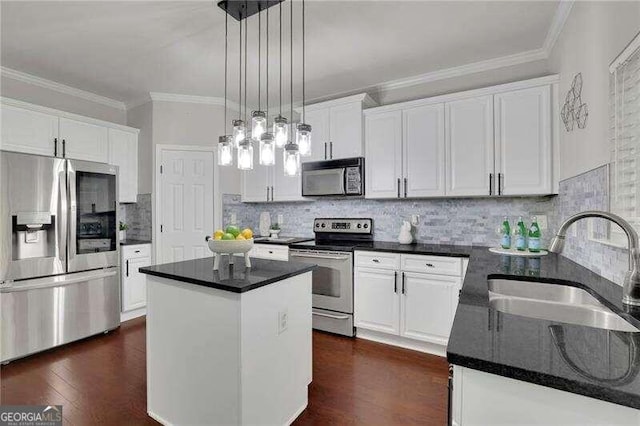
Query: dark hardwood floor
{"x": 102, "y": 380}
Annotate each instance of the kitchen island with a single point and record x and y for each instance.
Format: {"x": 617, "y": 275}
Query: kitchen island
{"x": 228, "y": 347}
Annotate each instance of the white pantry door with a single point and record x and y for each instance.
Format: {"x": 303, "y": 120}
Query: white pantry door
{"x": 186, "y": 204}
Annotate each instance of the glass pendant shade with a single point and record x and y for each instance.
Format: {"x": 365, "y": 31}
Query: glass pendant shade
{"x": 245, "y": 154}
{"x": 258, "y": 124}
{"x": 291, "y": 160}
{"x": 280, "y": 131}
{"x": 267, "y": 150}
{"x": 303, "y": 139}
{"x": 239, "y": 132}
{"x": 225, "y": 151}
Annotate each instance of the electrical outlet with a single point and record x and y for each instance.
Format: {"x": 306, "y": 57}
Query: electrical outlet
{"x": 283, "y": 321}
{"x": 280, "y": 219}
{"x": 415, "y": 219}
{"x": 234, "y": 218}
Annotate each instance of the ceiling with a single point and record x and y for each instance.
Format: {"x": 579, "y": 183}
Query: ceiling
{"x": 124, "y": 50}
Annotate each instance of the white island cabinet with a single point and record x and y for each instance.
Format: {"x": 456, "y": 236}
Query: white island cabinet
{"x": 228, "y": 347}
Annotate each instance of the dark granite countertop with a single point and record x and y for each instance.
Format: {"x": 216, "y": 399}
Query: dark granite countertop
{"x": 129, "y": 242}
{"x": 425, "y": 249}
{"x": 236, "y": 278}
{"x": 588, "y": 361}
{"x": 282, "y": 240}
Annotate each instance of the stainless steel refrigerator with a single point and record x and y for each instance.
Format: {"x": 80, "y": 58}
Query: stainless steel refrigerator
{"x": 59, "y": 252}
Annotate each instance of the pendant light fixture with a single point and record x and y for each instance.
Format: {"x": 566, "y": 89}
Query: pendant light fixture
{"x": 303, "y": 130}
{"x": 259, "y": 118}
{"x": 239, "y": 129}
{"x": 280, "y": 123}
{"x": 225, "y": 145}
{"x": 291, "y": 154}
{"x": 245, "y": 146}
{"x": 267, "y": 144}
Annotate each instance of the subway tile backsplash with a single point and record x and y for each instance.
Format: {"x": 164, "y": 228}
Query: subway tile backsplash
{"x": 444, "y": 221}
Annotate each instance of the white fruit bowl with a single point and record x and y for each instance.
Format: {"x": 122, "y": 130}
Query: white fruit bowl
{"x": 230, "y": 247}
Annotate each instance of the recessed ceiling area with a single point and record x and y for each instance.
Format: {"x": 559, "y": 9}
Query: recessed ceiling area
{"x": 124, "y": 50}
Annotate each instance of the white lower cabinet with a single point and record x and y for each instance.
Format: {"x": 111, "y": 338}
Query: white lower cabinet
{"x": 134, "y": 287}
{"x": 428, "y": 305}
{"x": 377, "y": 300}
{"x": 403, "y": 306}
{"x": 480, "y": 399}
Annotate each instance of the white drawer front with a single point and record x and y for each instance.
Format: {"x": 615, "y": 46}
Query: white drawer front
{"x": 432, "y": 264}
{"x": 271, "y": 252}
{"x": 380, "y": 260}
{"x": 139, "y": 250}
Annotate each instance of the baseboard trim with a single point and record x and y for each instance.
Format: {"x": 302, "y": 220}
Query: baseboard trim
{"x": 299, "y": 410}
{"x": 159, "y": 419}
{"x": 415, "y": 345}
{"x": 126, "y": 316}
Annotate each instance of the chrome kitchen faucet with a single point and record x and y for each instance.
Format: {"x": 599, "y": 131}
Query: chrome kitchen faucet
{"x": 631, "y": 285}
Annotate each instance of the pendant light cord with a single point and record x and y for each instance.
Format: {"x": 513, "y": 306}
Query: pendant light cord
{"x": 280, "y": 8}
{"x": 240, "y": 71}
{"x": 246, "y": 54}
{"x": 226, "y": 38}
{"x": 304, "y": 98}
{"x": 267, "y": 54}
{"x": 259, "y": 55}
{"x": 291, "y": 77}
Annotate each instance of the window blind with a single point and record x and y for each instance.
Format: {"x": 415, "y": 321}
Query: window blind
{"x": 625, "y": 130}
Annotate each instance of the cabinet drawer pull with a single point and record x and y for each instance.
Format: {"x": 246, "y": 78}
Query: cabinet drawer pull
{"x": 430, "y": 265}
{"x": 137, "y": 251}
{"x": 375, "y": 260}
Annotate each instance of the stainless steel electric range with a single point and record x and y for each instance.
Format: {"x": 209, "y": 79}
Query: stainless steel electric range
{"x": 332, "y": 250}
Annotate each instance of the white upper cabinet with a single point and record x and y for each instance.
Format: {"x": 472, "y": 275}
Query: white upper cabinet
{"x": 285, "y": 188}
{"x": 32, "y": 132}
{"x": 256, "y": 184}
{"x": 469, "y": 142}
{"x": 319, "y": 122}
{"x": 424, "y": 151}
{"x": 492, "y": 141}
{"x": 345, "y": 131}
{"x": 123, "y": 152}
{"x": 523, "y": 141}
{"x": 383, "y": 136}
{"x": 84, "y": 141}
{"x": 336, "y": 127}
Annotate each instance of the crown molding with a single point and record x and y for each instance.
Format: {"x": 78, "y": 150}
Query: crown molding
{"x": 557, "y": 24}
{"x": 192, "y": 99}
{"x": 61, "y": 88}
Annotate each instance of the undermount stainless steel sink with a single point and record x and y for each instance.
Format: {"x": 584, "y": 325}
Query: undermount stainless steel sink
{"x": 554, "y": 302}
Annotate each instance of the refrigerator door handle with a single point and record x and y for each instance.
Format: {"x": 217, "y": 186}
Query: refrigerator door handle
{"x": 62, "y": 216}
{"x": 59, "y": 280}
{"x": 71, "y": 213}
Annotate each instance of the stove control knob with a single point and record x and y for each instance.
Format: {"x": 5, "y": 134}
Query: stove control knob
{"x": 317, "y": 225}
{"x": 359, "y": 225}
{"x": 366, "y": 225}
{"x": 323, "y": 225}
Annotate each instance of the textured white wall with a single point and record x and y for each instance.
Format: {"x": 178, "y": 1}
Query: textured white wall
{"x": 593, "y": 35}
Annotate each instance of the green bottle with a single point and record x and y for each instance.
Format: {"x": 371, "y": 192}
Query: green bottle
{"x": 506, "y": 234}
{"x": 534, "y": 236}
{"x": 521, "y": 235}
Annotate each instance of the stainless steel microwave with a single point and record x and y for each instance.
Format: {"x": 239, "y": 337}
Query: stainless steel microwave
{"x": 333, "y": 178}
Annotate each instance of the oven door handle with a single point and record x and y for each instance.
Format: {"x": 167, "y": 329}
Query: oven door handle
{"x": 338, "y": 317}
{"x": 319, "y": 256}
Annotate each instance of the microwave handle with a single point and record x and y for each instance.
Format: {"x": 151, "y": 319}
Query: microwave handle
{"x": 343, "y": 190}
